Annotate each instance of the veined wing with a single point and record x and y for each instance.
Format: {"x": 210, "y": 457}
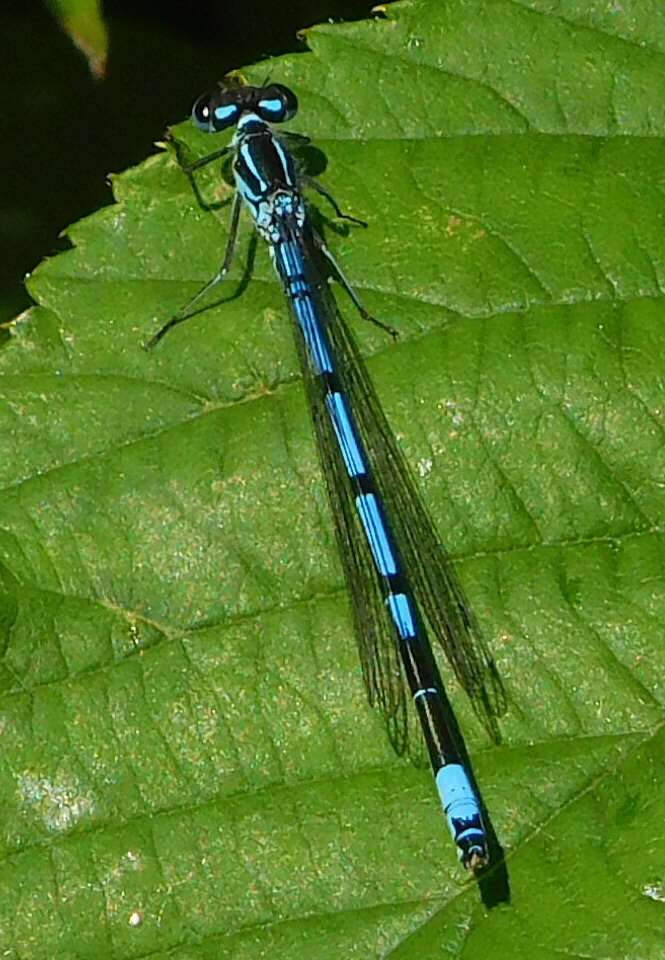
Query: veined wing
{"x": 426, "y": 562}
{"x": 431, "y": 573}
{"x": 374, "y": 629}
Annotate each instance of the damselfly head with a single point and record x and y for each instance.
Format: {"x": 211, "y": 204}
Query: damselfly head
{"x": 223, "y": 108}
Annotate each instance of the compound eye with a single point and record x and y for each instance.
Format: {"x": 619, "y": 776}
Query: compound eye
{"x": 201, "y": 113}
{"x": 215, "y": 112}
{"x": 277, "y": 103}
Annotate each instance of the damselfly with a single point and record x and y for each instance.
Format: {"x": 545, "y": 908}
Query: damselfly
{"x": 399, "y": 576}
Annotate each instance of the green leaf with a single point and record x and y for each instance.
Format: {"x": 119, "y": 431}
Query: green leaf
{"x": 189, "y": 767}
{"x": 83, "y": 21}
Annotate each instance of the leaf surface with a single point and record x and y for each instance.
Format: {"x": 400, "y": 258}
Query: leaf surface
{"x": 189, "y": 767}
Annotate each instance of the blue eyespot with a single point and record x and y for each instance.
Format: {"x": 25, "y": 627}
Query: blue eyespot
{"x": 225, "y": 113}
{"x": 274, "y": 107}
{"x": 215, "y": 112}
{"x": 276, "y": 103}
